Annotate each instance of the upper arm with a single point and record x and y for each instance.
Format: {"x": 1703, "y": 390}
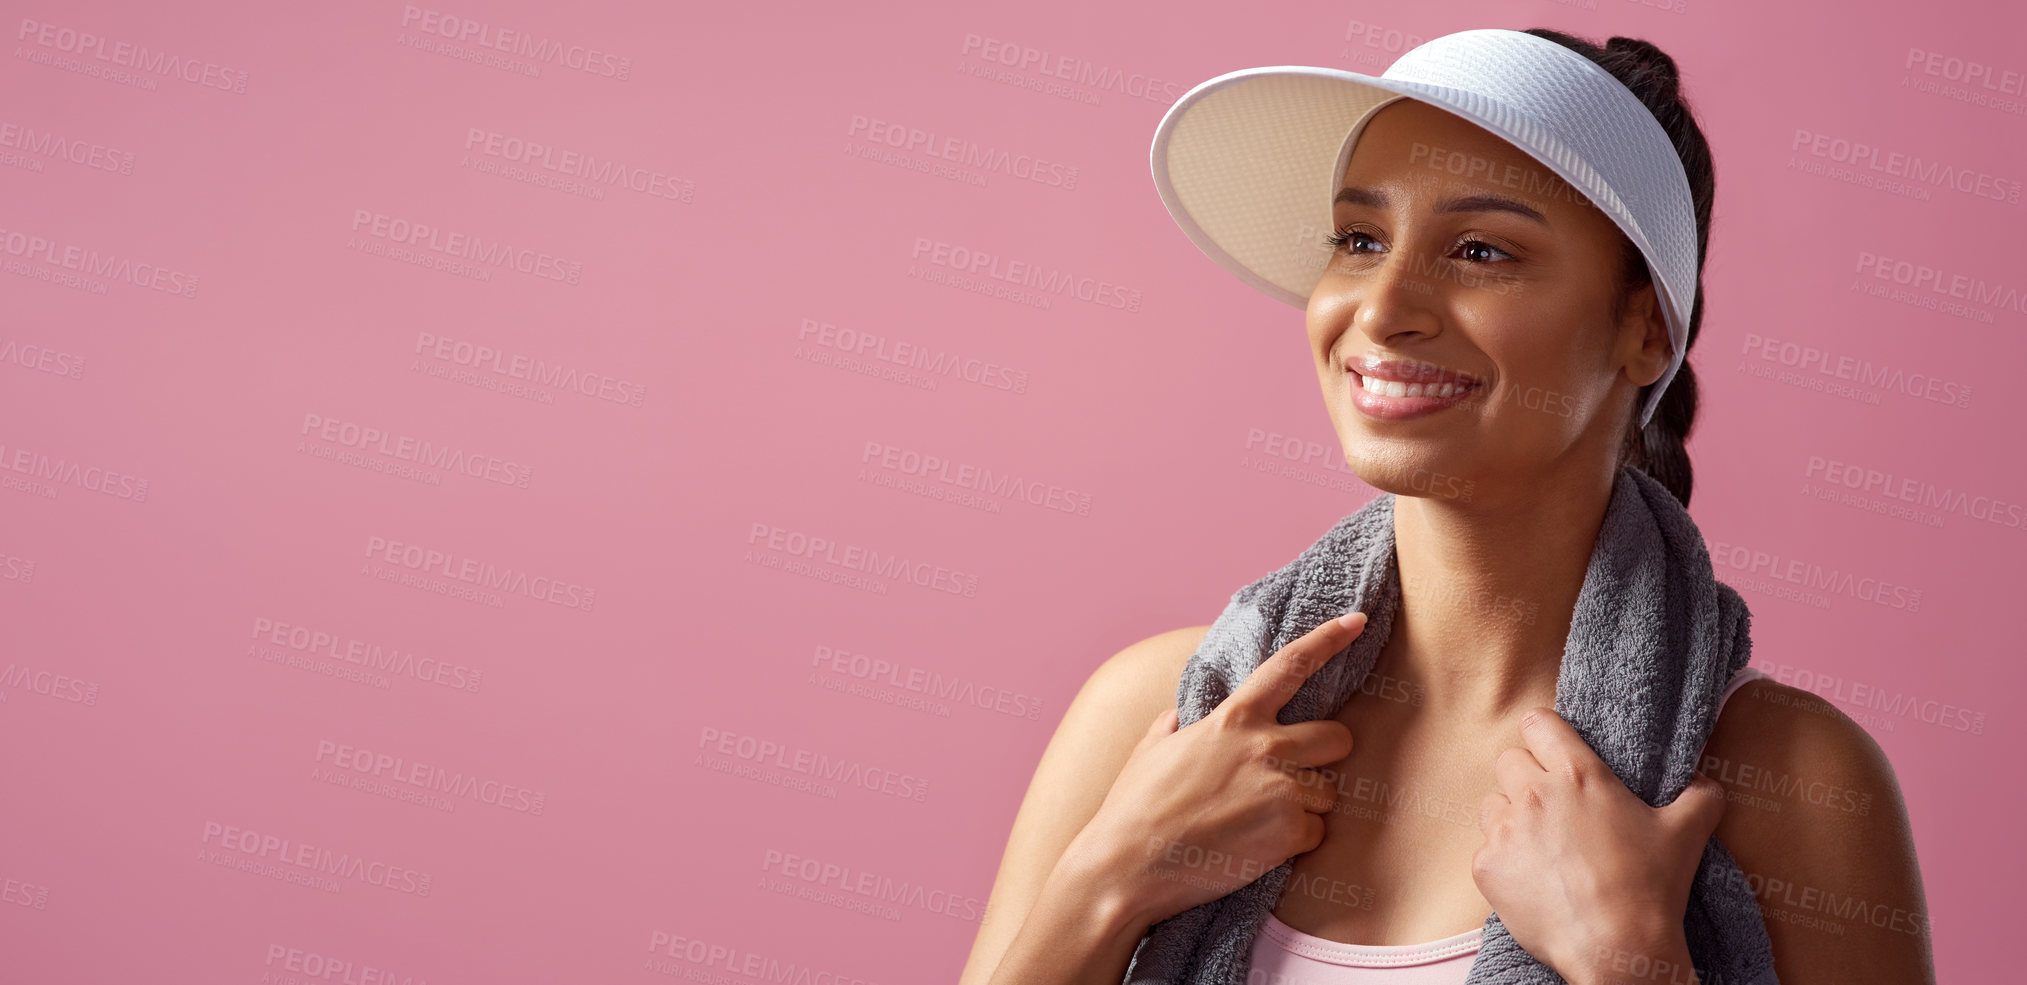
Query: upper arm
{"x": 1815, "y": 818}
{"x": 1090, "y": 746}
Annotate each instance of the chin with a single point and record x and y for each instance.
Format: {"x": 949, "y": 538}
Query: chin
{"x": 1409, "y": 468}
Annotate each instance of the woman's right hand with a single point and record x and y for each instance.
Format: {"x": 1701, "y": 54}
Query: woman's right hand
{"x": 1197, "y": 813}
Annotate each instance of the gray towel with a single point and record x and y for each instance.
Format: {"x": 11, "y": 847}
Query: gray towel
{"x": 1654, "y": 640}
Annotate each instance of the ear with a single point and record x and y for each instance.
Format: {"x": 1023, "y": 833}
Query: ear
{"x": 1643, "y": 337}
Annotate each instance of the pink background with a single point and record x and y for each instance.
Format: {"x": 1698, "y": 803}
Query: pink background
{"x": 170, "y": 511}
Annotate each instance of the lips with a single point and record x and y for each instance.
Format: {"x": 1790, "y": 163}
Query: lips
{"x": 1395, "y": 388}
{"x": 1408, "y": 378}
{"x": 1398, "y": 389}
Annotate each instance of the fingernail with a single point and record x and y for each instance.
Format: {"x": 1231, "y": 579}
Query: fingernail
{"x": 1348, "y": 619}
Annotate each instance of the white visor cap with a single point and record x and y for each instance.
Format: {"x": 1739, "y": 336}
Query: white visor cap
{"x": 1248, "y": 162}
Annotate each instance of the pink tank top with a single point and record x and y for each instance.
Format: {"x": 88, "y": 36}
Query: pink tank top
{"x": 1282, "y": 955}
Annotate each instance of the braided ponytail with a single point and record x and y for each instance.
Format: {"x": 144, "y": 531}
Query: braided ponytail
{"x": 1659, "y": 449}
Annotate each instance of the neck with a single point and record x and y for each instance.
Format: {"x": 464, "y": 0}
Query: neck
{"x": 1488, "y": 592}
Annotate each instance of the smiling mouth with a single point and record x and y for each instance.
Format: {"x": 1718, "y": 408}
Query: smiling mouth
{"x": 1395, "y": 388}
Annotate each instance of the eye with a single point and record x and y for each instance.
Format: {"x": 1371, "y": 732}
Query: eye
{"x": 1477, "y": 249}
{"x": 1339, "y": 239}
{"x": 1470, "y": 244}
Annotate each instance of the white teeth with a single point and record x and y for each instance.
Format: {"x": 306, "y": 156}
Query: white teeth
{"x": 1395, "y": 388}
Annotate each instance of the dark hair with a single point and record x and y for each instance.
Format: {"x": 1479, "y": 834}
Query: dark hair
{"x": 1659, "y": 449}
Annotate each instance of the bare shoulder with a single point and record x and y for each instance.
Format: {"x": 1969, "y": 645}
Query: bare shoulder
{"x": 1143, "y": 669}
{"x": 1815, "y": 818}
{"x": 1113, "y": 709}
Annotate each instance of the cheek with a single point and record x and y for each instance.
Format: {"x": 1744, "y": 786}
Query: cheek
{"x": 1324, "y": 318}
{"x": 1552, "y": 396}
{"x": 1541, "y": 385}
{"x": 1323, "y": 338}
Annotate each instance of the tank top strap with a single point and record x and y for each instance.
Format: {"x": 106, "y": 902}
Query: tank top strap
{"x": 1745, "y": 675}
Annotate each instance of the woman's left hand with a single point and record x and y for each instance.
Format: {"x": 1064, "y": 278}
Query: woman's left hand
{"x": 1583, "y": 873}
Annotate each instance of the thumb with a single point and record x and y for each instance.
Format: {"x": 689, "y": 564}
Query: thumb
{"x": 1698, "y": 808}
{"x": 1163, "y": 725}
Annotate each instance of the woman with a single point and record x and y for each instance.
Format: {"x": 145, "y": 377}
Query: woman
{"x": 1492, "y": 349}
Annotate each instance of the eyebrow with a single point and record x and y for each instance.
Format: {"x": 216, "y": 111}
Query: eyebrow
{"x": 1468, "y": 203}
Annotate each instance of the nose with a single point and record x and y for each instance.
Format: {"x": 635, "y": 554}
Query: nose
{"x": 1392, "y": 300}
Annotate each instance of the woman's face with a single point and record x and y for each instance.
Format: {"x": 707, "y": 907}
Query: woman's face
{"x": 1468, "y": 265}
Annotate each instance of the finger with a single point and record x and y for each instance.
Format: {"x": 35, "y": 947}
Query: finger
{"x": 1267, "y": 689}
{"x": 1313, "y": 790}
{"x": 1698, "y": 807}
{"x": 1517, "y": 770}
{"x": 1316, "y": 788}
{"x": 1317, "y": 743}
{"x": 1554, "y": 742}
{"x": 1163, "y": 725}
{"x": 1317, "y": 829}
{"x": 1489, "y": 807}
